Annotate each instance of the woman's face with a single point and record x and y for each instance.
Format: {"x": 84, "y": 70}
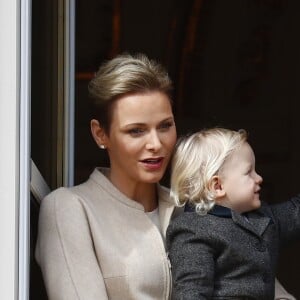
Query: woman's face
{"x": 141, "y": 138}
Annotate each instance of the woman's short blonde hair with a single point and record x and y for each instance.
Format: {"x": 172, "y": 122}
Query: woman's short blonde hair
{"x": 197, "y": 158}
{"x": 122, "y": 75}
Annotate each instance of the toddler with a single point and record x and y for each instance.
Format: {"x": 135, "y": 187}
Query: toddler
{"x": 226, "y": 244}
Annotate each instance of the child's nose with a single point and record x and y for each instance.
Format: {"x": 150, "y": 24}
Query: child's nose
{"x": 259, "y": 179}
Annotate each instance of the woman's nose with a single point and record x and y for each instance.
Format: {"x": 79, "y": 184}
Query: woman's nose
{"x": 153, "y": 142}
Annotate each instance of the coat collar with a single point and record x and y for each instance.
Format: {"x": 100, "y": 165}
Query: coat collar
{"x": 254, "y": 221}
{"x": 220, "y": 211}
{"x": 165, "y": 206}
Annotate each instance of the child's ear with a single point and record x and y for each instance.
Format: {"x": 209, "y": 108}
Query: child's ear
{"x": 216, "y": 187}
{"x": 98, "y": 134}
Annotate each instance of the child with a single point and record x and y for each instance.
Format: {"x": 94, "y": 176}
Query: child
{"x": 225, "y": 246}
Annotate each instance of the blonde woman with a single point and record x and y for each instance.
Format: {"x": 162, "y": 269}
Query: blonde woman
{"x": 104, "y": 239}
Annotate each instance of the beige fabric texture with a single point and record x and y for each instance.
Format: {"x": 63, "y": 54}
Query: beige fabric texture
{"x": 95, "y": 243}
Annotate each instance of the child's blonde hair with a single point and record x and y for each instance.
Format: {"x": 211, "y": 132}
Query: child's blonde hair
{"x": 197, "y": 158}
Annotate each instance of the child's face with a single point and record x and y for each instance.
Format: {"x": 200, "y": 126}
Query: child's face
{"x": 240, "y": 182}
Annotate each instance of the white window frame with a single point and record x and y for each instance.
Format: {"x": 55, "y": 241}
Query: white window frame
{"x": 24, "y": 150}
{"x": 69, "y": 95}
{"x": 9, "y": 145}
{"x": 15, "y": 163}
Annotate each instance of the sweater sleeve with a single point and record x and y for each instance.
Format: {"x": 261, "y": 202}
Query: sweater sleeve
{"x": 65, "y": 250}
{"x": 192, "y": 262}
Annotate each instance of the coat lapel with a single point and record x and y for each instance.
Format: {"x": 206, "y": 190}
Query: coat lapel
{"x": 255, "y": 222}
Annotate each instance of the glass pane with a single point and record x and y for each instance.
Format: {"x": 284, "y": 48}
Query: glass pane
{"x": 46, "y": 115}
{"x": 45, "y": 94}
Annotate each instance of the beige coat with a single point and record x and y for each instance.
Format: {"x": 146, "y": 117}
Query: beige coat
{"x": 94, "y": 243}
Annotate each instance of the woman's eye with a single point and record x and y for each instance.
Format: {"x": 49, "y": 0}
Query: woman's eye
{"x": 166, "y": 126}
{"x": 136, "y": 131}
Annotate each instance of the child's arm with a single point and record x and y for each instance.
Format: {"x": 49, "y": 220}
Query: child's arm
{"x": 287, "y": 216}
{"x": 191, "y": 260}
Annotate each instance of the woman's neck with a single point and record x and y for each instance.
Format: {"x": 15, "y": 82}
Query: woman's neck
{"x": 143, "y": 193}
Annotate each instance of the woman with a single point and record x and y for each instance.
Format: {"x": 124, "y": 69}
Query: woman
{"x": 104, "y": 239}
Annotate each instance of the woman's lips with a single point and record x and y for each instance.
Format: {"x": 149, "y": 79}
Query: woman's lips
{"x": 153, "y": 163}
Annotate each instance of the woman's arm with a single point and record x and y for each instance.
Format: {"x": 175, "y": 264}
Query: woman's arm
{"x": 65, "y": 250}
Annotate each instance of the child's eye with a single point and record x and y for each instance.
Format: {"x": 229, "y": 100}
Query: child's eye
{"x": 248, "y": 172}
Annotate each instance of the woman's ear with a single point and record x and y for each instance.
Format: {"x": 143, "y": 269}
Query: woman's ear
{"x": 216, "y": 187}
{"x": 98, "y": 134}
